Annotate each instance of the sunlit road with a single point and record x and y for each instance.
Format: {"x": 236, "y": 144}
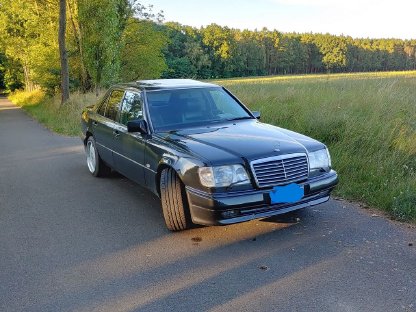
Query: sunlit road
{"x": 71, "y": 242}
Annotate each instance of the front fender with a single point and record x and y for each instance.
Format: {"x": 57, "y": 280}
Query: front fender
{"x": 185, "y": 167}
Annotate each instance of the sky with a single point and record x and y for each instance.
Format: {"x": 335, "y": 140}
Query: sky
{"x": 356, "y": 18}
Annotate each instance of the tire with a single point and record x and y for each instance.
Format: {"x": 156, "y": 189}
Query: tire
{"x": 95, "y": 164}
{"x": 174, "y": 201}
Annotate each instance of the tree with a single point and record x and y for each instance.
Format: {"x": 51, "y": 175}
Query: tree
{"x": 62, "y": 52}
{"x": 141, "y": 51}
{"x": 77, "y": 59}
{"x": 2, "y": 71}
{"x": 218, "y": 40}
{"x": 270, "y": 41}
{"x": 101, "y": 27}
{"x": 28, "y": 32}
{"x": 333, "y": 50}
{"x": 185, "y": 53}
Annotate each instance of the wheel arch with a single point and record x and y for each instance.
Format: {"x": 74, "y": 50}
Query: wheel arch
{"x": 87, "y": 135}
{"x": 168, "y": 162}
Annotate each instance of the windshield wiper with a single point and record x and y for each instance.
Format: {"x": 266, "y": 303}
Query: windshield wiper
{"x": 240, "y": 118}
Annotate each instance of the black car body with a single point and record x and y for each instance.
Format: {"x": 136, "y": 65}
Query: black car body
{"x": 209, "y": 159}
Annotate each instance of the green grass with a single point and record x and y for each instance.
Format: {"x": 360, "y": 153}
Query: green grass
{"x": 368, "y": 121}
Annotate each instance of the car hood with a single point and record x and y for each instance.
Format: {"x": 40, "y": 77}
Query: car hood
{"x": 248, "y": 139}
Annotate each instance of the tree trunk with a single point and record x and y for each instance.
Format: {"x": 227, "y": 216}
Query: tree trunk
{"x": 28, "y": 82}
{"x": 62, "y": 52}
{"x": 85, "y": 76}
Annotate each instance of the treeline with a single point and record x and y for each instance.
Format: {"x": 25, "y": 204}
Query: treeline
{"x": 121, "y": 40}
{"x": 216, "y": 51}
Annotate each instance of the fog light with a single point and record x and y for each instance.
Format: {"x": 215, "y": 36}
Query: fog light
{"x": 230, "y": 213}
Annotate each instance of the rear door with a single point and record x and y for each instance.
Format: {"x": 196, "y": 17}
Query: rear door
{"x": 130, "y": 147}
{"x": 105, "y": 126}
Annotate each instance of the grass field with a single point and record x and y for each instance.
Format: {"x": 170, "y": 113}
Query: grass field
{"x": 368, "y": 121}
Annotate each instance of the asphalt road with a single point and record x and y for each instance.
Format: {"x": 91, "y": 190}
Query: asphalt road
{"x": 72, "y": 242}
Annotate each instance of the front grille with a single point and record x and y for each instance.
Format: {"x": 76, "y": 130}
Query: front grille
{"x": 280, "y": 170}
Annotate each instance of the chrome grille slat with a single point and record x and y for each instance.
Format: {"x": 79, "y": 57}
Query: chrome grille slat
{"x": 268, "y": 166}
{"x": 296, "y": 170}
{"x": 264, "y": 176}
{"x": 295, "y": 175}
{"x": 295, "y": 165}
{"x": 268, "y": 171}
{"x": 293, "y": 159}
{"x": 280, "y": 170}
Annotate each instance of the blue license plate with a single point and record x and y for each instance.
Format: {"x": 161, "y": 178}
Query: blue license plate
{"x": 290, "y": 193}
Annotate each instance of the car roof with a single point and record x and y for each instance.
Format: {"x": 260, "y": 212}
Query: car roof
{"x": 165, "y": 84}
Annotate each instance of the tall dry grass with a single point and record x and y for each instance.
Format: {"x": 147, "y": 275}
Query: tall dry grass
{"x": 63, "y": 119}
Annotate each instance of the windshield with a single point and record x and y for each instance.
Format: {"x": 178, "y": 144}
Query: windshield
{"x": 181, "y": 108}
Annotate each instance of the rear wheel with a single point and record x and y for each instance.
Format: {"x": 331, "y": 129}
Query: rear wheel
{"x": 95, "y": 164}
{"x": 174, "y": 202}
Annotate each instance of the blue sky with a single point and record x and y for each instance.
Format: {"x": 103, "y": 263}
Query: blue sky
{"x": 357, "y": 18}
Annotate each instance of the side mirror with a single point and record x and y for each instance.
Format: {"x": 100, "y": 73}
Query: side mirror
{"x": 256, "y": 114}
{"x": 139, "y": 125}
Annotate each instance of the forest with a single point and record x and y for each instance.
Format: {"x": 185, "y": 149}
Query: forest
{"x": 133, "y": 42}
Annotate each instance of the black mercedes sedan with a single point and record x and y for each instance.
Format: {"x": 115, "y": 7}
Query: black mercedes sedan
{"x": 206, "y": 155}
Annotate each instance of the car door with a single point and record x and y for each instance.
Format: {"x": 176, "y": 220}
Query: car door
{"x": 130, "y": 147}
{"x": 105, "y": 126}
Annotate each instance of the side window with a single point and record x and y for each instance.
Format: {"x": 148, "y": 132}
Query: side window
{"x": 132, "y": 107}
{"x": 113, "y": 105}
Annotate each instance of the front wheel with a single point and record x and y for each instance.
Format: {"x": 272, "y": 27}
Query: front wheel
{"x": 95, "y": 164}
{"x": 174, "y": 202}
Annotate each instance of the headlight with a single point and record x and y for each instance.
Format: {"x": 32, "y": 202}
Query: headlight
{"x": 223, "y": 176}
{"x": 319, "y": 160}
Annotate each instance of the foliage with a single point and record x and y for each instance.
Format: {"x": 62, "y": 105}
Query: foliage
{"x": 141, "y": 56}
{"x": 27, "y": 98}
{"x": 28, "y": 33}
{"x": 215, "y": 51}
{"x": 184, "y": 54}
{"x": 12, "y": 74}
{"x": 100, "y": 39}
{"x": 29, "y": 41}
{"x": 2, "y": 71}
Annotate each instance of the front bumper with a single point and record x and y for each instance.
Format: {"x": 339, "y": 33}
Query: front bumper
{"x": 240, "y": 206}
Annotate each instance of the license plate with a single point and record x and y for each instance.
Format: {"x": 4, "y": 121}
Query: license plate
{"x": 290, "y": 193}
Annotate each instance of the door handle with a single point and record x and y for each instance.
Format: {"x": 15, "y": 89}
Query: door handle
{"x": 116, "y": 133}
{"x": 94, "y": 123}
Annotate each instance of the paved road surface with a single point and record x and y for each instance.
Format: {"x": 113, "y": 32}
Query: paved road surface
{"x": 71, "y": 242}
